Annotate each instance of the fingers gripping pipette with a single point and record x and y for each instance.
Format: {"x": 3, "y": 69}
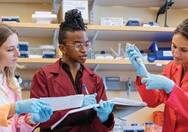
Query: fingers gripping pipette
{"x": 138, "y": 59}
{"x": 140, "y": 68}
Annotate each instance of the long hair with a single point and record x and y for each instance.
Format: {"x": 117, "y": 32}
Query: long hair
{"x": 8, "y": 72}
{"x": 73, "y": 22}
{"x": 182, "y": 28}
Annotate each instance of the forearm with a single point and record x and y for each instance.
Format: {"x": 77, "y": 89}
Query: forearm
{"x": 4, "y": 113}
{"x": 152, "y": 97}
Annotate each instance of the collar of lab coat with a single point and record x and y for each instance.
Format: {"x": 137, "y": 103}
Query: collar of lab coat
{"x": 54, "y": 68}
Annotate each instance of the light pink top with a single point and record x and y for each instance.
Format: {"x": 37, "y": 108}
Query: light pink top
{"x": 8, "y": 96}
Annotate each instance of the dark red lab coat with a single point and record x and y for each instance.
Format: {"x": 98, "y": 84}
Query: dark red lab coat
{"x": 53, "y": 81}
{"x": 176, "y": 103}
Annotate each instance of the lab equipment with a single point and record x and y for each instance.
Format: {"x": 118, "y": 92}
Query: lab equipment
{"x": 130, "y": 86}
{"x": 119, "y": 125}
{"x": 103, "y": 55}
{"x": 48, "y": 51}
{"x": 159, "y": 53}
{"x": 148, "y": 126}
{"x": 134, "y": 127}
{"x": 10, "y": 19}
{"x": 112, "y": 21}
{"x": 114, "y": 52}
{"x": 23, "y": 49}
{"x": 23, "y": 46}
{"x": 152, "y": 127}
{"x": 90, "y": 53}
{"x": 154, "y": 81}
{"x": 81, "y": 5}
{"x": 119, "y": 54}
{"x": 133, "y": 22}
{"x": 43, "y": 17}
{"x": 153, "y": 24}
{"x": 24, "y": 54}
{"x": 113, "y": 83}
{"x": 137, "y": 61}
{"x": 132, "y": 46}
{"x": 26, "y": 84}
{"x": 150, "y": 24}
{"x": 163, "y": 9}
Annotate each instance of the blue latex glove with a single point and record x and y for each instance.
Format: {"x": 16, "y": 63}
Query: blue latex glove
{"x": 137, "y": 61}
{"x": 29, "y": 106}
{"x": 42, "y": 116}
{"x": 89, "y": 99}
{"x": 154, "y": 81}
{"x": 104, "y": 110}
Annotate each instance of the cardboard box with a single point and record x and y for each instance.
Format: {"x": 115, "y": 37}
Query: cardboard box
{"x": 81, "y": 5}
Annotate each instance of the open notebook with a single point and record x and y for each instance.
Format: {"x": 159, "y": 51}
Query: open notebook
{"x": 65, "y": 102}
{"x": 122, "y": 108}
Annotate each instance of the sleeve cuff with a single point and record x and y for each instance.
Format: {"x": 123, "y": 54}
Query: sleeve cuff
{"x": 110, "y": 122}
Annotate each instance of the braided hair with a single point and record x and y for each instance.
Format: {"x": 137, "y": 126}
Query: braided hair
{"x": 182, "y": 28}
{"x": 73, "y": 22}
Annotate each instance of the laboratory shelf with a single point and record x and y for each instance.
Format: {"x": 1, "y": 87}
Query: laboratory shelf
{"x": 111, "y": 33}
{"x": 139, "y": 3}
{"x": 132, "y": 33}
{"x": 127, "y": 3}
{"x": 34, "y": 29}
{"x": 32, "y": 25}
{"x": 117, "y": 65}
{"x": 26, "y": 1}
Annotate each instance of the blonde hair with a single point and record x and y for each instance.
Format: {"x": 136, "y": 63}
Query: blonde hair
{"x": 8, "y": 72}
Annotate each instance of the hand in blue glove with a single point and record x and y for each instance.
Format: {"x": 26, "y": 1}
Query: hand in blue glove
{"x": 29, "y": 106}
{"x": 104, "y": 110}
{"x": 154, "y": 81}
{"x": 42, "y": 116}
{"x": 137, "y": 60}
{"x": 89, "y": 99}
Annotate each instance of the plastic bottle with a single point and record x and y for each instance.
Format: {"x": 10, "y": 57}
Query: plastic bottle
{"x": 148, "y": 126}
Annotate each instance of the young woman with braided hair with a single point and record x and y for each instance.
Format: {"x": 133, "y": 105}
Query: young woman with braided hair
{"x": 69, "y": 76}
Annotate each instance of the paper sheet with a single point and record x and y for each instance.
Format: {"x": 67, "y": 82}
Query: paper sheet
{"x": 66, "y": 102}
